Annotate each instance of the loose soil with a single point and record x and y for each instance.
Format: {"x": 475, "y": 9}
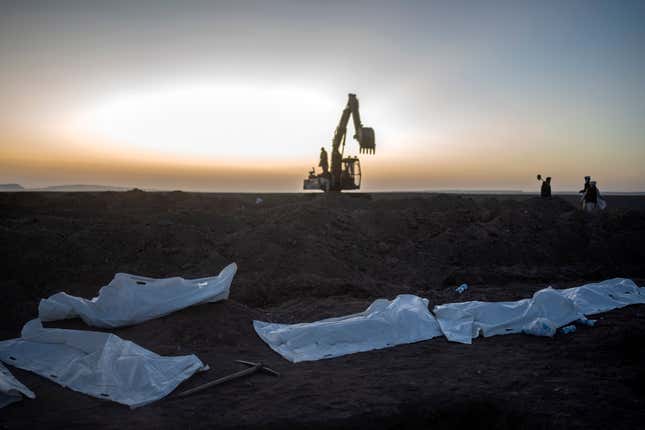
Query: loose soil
{"x": 303, "y": 257}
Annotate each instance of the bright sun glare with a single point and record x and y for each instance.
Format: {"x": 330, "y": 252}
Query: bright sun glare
{"x": 212, "y": 121}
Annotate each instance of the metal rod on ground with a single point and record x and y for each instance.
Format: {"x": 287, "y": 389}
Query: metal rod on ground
{"x": 255, "y": 367}
{"x": 263, "y": 368}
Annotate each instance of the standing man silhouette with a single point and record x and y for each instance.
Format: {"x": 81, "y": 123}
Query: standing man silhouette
{"x": 324, "y": 163}
{"x": 583, "y": 191}
{"x": 545, "y": 191}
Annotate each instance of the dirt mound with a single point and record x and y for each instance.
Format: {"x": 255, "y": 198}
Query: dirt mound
{"x": 367, "y": 246}
{"x": 297, "y": 246}
{"x": 307, "y": 257}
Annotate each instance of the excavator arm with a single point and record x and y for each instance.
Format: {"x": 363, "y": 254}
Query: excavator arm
{"x": 364, "y": 135}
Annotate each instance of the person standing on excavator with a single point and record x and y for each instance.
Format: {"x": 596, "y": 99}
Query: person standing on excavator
{"x": 324, "y": 163}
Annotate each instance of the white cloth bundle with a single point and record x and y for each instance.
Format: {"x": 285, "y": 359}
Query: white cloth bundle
{"x": 383, "y": 324}
{"x": 130, "y": 299}
{"x": 99, "y": 364}
{"x": 604, "y": 296}
{"x": 543, "y": 314}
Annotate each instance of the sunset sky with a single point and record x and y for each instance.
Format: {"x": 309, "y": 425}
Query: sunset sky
{"x": 240, "y": 96}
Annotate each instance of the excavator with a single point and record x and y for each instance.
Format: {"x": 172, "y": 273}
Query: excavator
{"x": 345, "y": 172}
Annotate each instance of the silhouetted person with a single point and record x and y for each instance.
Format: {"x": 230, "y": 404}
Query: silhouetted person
{"x": 545, "y": 191}
{"x": 324, "y": 164}
{"x": 584, "y": 190}
{"x": 590, "y": 197}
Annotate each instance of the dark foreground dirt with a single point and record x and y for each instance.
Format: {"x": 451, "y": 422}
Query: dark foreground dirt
{"x": 306, "y": 257}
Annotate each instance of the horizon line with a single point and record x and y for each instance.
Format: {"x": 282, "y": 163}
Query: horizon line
{"x": 116, "y": 188}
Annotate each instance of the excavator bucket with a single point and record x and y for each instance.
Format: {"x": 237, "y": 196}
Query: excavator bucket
{"x": 366, "y": 141}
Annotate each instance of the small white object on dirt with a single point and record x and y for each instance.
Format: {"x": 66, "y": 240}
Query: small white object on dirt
{"x": 258, "y": 200}
{"x": 540, "y": 327}
{"x": 587, "y": 322}
{"x": 460, "y": 289}
{"x": 131, "y": 299}
{"x": 99, "y": 364}
{"x": 602, "y": 204}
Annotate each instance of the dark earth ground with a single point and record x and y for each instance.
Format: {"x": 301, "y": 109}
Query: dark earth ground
{"x": 303, "y": 257}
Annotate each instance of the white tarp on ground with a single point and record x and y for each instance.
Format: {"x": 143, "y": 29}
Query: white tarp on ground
{"x": 99, "y": 364}
{"x": 406, "y": 319}
{"x": 130, "y": 299}
{"x": 604, "y": 296}
{"x": 383, "y": 324}
{"x": 542, "y": 315}
{"x": 11, "y": 390}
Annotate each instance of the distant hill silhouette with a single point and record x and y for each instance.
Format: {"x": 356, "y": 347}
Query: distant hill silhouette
{"x": 73, "y": 187}
{"x": 80, "y": 187}
{"x": 11, "y": 187}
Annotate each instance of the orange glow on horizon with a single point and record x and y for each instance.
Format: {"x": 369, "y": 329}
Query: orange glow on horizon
{"x": 40, "y": 162}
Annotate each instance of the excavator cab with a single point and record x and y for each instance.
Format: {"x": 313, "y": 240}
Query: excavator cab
{"x": 350, "y": 178}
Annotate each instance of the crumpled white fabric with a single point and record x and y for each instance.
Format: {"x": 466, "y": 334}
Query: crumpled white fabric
{"x": 131, "y": 299}
{"x": 541, "y": 315}
{"x": 383, "y": 324}
{"x": 11, "y": 390}
{"x": 462, "y": 322}
{"x": 604, "y": 296}
{"x": 99, "y": 364}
